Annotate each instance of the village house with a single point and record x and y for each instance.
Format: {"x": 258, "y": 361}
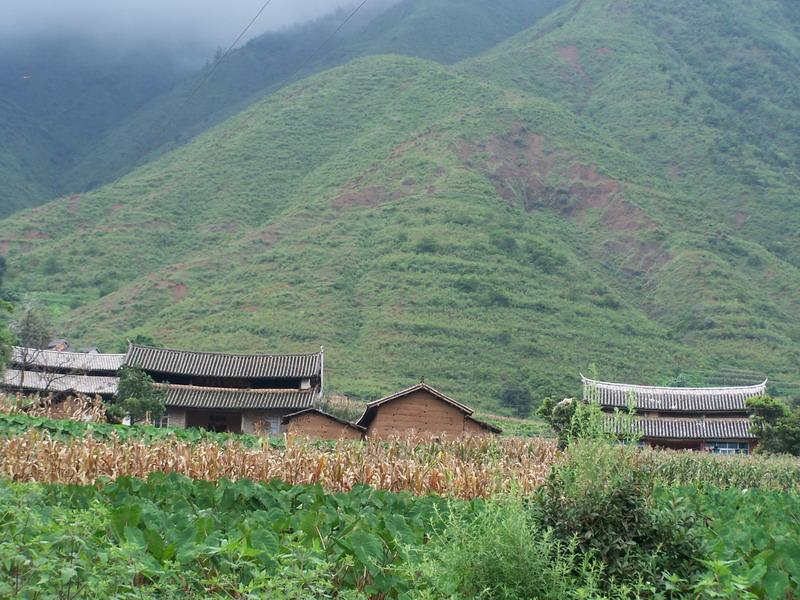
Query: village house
{"x": 421, "y": 410}
{"x": 62, "y": 373}
{"x": 314, "y": 423}
{"x": 238, "y": 393}
{"x": 714, "y": 419}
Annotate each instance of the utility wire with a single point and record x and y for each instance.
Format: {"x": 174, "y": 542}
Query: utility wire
{"x": 307, "y": 60}
{"x": 225, "y": 55}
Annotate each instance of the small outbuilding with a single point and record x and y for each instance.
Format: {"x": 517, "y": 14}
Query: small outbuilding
{"x": 422, "y": 410}
{"x": 315, "y": 423}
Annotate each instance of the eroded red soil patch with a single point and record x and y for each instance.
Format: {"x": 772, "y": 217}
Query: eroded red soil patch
{"x": 35, "y": 234}
{"x": 4, "y": 246}
{"x": 572, "y": 56}
{"x": 604, "y": 51}
{"x": 178, "y": 291}
{"x": 523, "y": 171}
{"x": 73, "y": 202}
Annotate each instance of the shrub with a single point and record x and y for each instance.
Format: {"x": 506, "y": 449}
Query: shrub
{"x": 501, "y": 554}
{"x": 137, "y": 397}
{"x": 602, "y": 499}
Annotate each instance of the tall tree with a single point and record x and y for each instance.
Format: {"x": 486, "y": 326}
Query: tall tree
{"x": 31, "y": 331}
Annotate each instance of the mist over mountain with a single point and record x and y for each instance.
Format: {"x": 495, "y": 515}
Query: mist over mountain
{"x": 178, "y": 26}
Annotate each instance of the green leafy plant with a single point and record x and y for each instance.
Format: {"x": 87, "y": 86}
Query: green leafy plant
{"x": 137, "y": 396}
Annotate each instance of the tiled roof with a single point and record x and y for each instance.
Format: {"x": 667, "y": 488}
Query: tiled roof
{"x": 683, "y": 429}
{"x": 321, "y": 413}
{"x": 213, "y": 364}
{"x": 671, "y": 399}
{"x": 188, "y": 396}
{"x": 485, "y": 425}
{"x": 67, "y": 361}
{"x": 40, "y": 382}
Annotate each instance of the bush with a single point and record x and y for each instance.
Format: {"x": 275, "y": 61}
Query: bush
{"x": 601, "y": 499}
{"x": 137, "y": 397}
{"x": 501, "y": 554}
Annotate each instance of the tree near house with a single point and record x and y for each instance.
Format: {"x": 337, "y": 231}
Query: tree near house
{"x": 31, "y": 331}
{"x": 137, "y": 396}
{"x": 777, "y": 427}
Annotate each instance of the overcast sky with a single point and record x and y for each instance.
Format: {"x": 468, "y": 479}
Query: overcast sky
{"x": 211, "y": 22}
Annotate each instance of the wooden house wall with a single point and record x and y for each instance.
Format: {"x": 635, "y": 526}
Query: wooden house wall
{"x": 419, "y": 412}
{"x": 176, "y": 417}
{"x": 315, "y": 425}
{"x": 473, "y": 428}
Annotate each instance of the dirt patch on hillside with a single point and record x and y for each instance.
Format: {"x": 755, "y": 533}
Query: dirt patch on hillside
{"x": 147, "y": 225}
{"x": 372, "y": 196}
{"x": 73, "y": 202}
{"x": 525, "y": 172}
{"x": 571, "y": 54}
{"x": 4, "y": 246}
{"x": 115, "y": 208}
{"x": 604, "y": 51}
{"x": 742, "y": 218}
{"x": 178, "y": 291}
{"x": 35, "y": 234}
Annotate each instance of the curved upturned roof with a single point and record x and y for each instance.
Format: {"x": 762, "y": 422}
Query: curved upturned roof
{"x": 218, "y": 364}
{"x": 677, "y": 399}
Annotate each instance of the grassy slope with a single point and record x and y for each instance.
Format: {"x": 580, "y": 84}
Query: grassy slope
{"x": 96, "y": 120}
{"x": 707, "y": 95}
{"x": 415, "y": 221}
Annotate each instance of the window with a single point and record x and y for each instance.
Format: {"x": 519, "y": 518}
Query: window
{"x": 161, "y": 421}
{"x": 727, "y": 447}
{"x": 274, "y": 425}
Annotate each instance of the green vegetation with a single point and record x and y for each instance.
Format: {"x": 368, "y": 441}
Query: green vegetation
{"x": 602, "y": 527}
{"x": 172, "y": 537}
{"x": 504, "y": 222}
{"x": 137, "y": 397}
{"x": 76, "y": 114}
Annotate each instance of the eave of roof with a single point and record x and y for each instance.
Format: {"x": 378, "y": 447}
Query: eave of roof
{"x": 188, "y": 396}
{"x": 683, "y": 428}
{"x": 485, "y": 425}
{"x": 218, "y": 364}
{"x": 75, "y": 361}
{"x": 317, "y": 411}
{"x": 89, "y": 385}
{"x": 372, "y": 407}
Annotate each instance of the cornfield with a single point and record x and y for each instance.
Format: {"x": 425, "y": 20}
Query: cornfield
{"x": 465, "y": 468}
{"x": 77, "y": 408}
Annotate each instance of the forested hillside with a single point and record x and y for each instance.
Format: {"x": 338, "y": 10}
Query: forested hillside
{"x": 586, "y": 193}
{"x": 75, "y": 114}
{"x": 57, "y": 98}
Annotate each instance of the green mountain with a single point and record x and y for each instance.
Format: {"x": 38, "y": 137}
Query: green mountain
{"x": 85, "y": 114}
{"x": 57, "y": 98}
{"x": 553, "y": 204}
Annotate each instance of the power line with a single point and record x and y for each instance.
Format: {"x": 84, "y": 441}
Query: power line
{"x": 225, "y": 55}
{"x": 308, "y": 59}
